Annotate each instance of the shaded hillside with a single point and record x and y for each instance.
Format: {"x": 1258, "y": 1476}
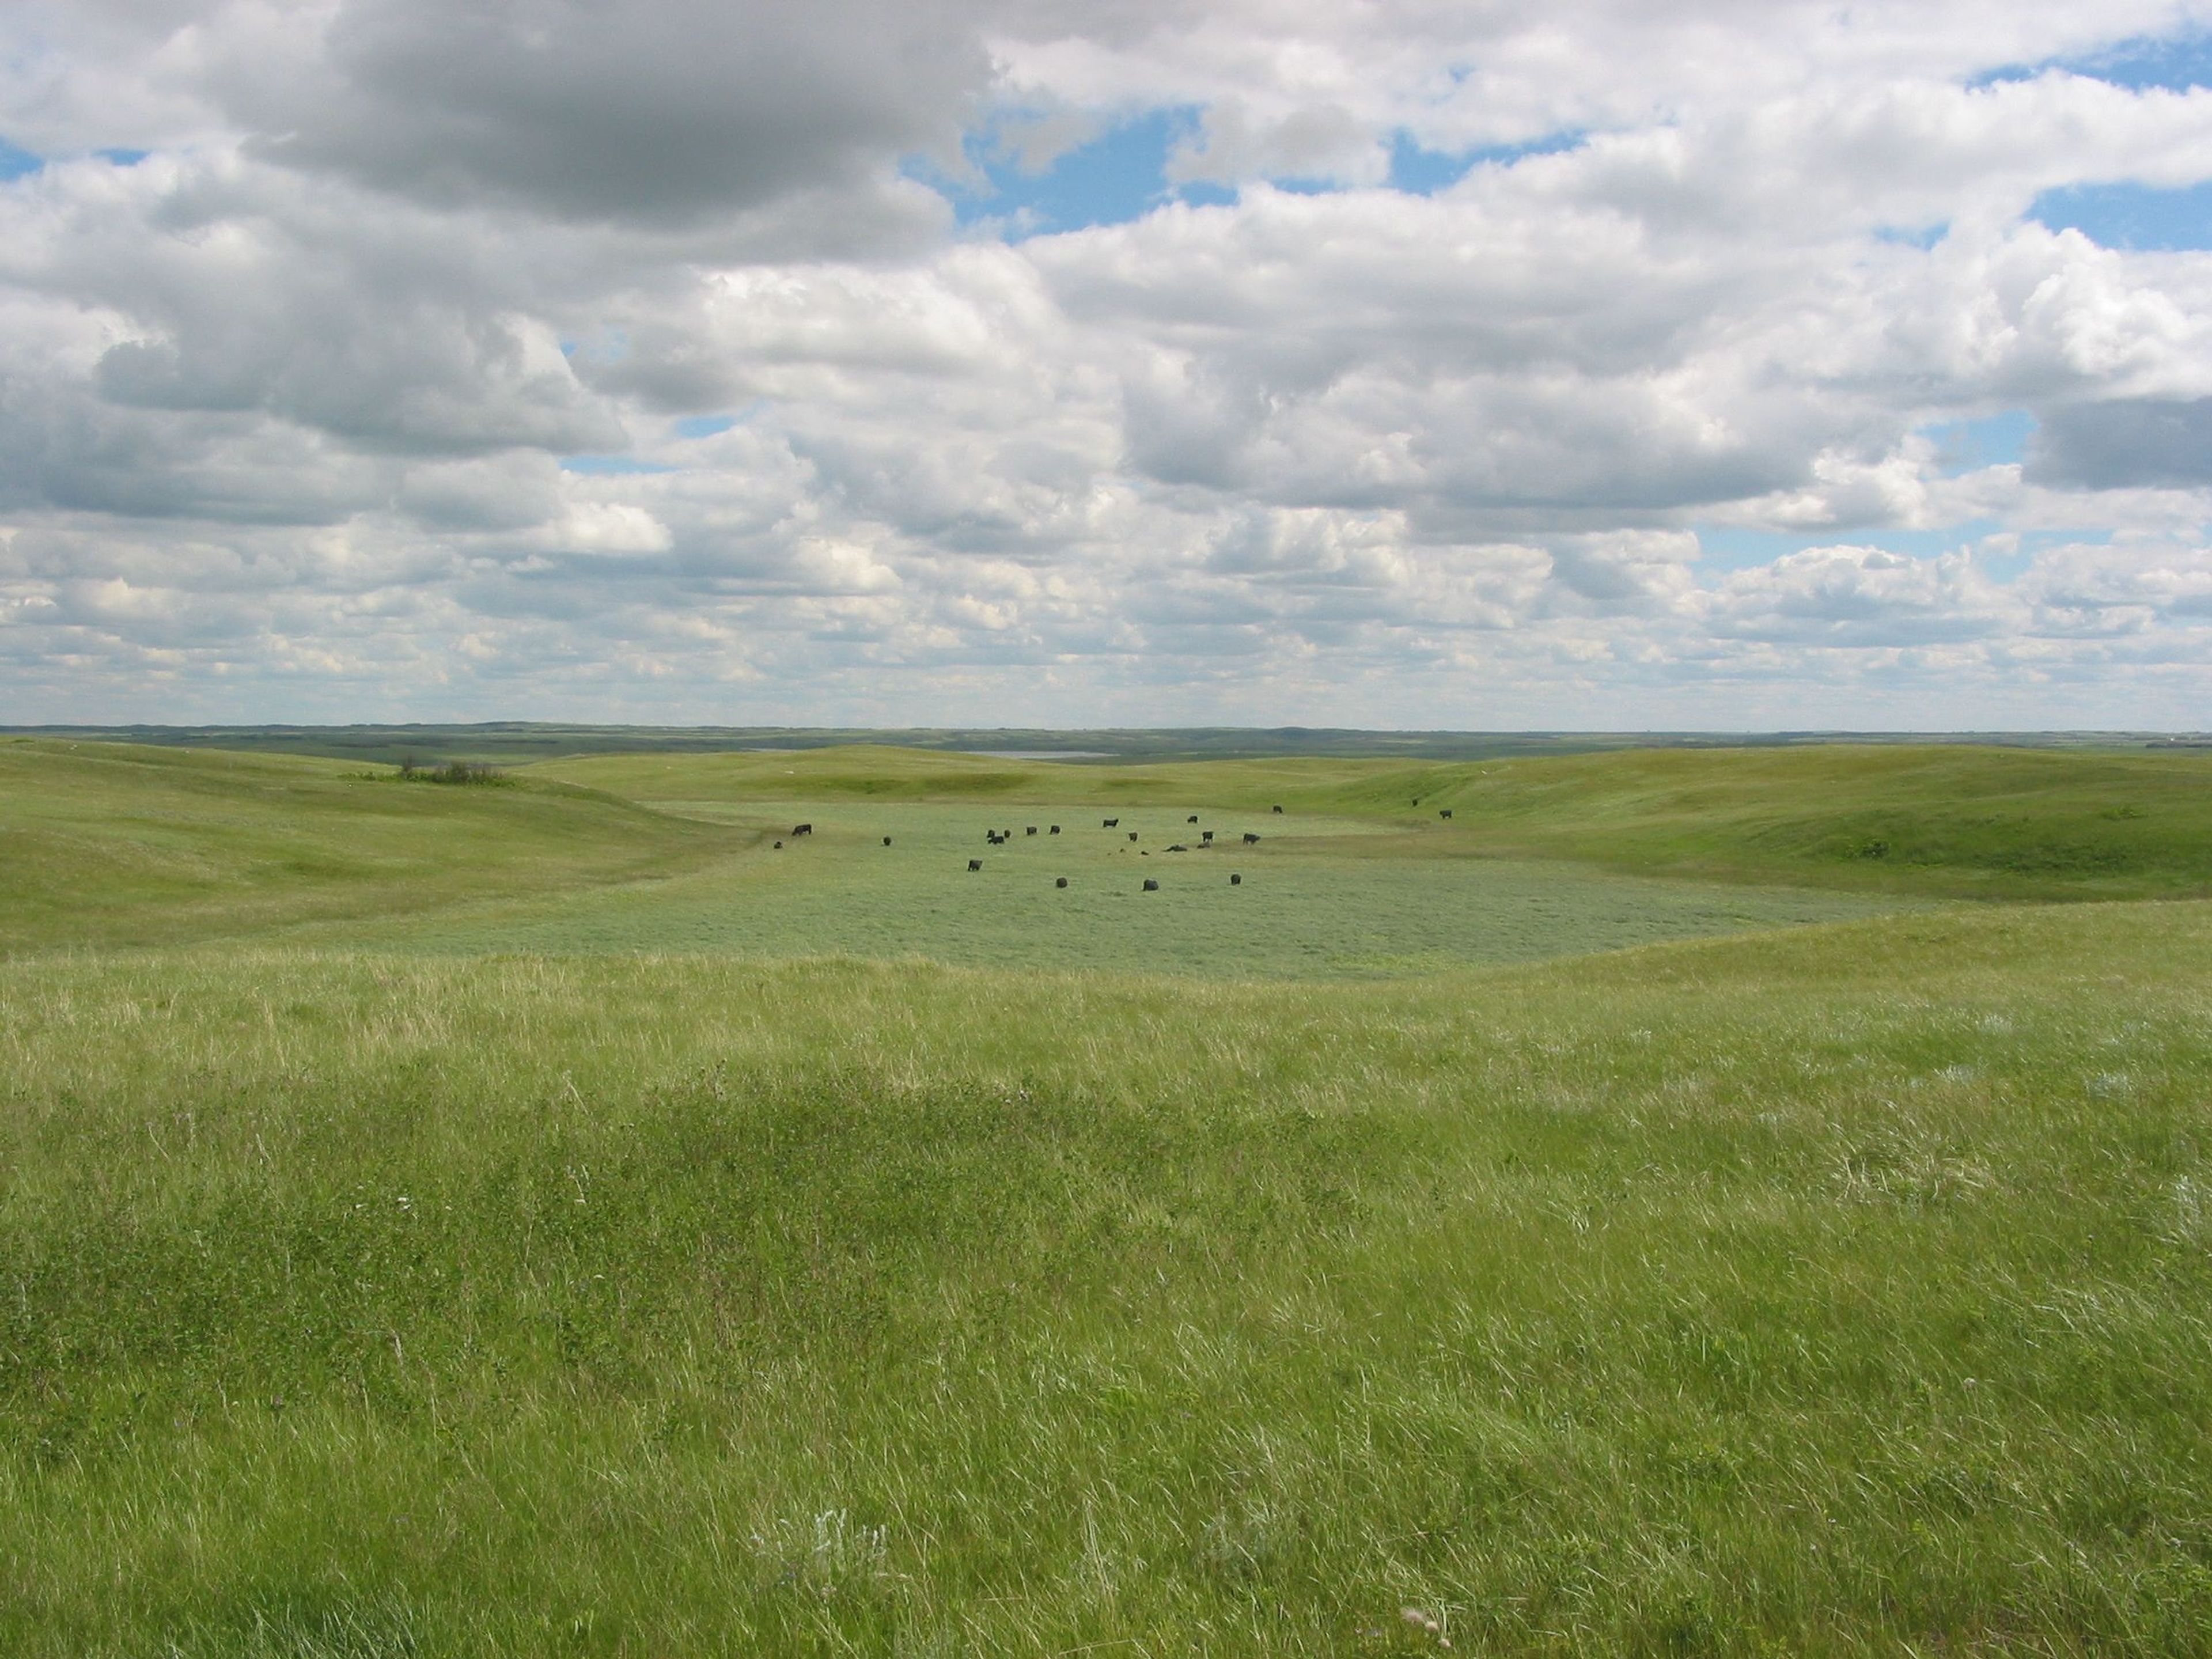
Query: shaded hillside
{"x": 109, "y": 844}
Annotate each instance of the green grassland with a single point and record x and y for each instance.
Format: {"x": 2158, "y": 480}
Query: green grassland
{"x": 112, "y": 845}
{"x": 547, "y": 1218}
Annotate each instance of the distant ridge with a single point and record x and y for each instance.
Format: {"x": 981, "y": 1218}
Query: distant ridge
{"x": 518, "y": 742}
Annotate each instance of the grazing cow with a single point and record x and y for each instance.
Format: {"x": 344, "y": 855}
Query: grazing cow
{"x": 887, "y": 841}
{"x": 1062, "y": 882}
{"x": 1193, "y": 818}
{"x": 975, "y": 865}
{"x": 1251, "y": 840}
{"x": 1133, "y": 835}
{"x": 1031, "y": 831}
{"x": 1151, "y": 886}
{"x": 1205, "y": 835}
{"x": 802, "y": 830}
{"x": 1109, "y": 824}
{"x": 1445, "y": 813}
{"x": 1055, "y": 829}
{"x": 1235, "y": 881}
{"x": 1279, "y": 810}
{"x": 778, "y": 847}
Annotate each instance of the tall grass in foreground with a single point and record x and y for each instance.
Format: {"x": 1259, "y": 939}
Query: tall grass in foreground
{"x": 1839, "y": 1292}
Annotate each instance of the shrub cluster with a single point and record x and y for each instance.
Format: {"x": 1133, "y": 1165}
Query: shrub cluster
{"x": 453, "y": 771}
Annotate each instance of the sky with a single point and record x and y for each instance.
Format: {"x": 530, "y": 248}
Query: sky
{"x": 1728, "y": 365}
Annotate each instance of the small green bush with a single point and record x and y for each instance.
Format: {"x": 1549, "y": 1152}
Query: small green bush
{"x": 454, "y": 771}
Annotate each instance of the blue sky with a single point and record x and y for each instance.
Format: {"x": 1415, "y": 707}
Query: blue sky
{"x": 2135, "y": 217}
{"x": 2122, "y": 213}
{"x": 1121, "y": 173}
{"x": 2173, "y": 62}
{"x": 1117, "y": 176}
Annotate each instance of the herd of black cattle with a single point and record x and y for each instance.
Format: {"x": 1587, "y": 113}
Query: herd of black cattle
{"x": 1001, "y": 837}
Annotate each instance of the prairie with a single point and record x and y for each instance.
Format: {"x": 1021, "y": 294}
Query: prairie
{"x": 436, "y": 1249}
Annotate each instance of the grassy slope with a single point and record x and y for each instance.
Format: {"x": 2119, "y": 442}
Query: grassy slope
{"x": 1832, "y": 1291}
{"x": 1940, "y": 820}
{"x": 105, "y": 844}
{"x": 1984, "y": 822}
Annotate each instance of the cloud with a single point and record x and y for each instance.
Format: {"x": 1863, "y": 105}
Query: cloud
{"x": 542, "y": 357}
{"x": 2124, "y": 442}
{"x": 1858, "y": 596}
{"x": 655, "y": 113}
{"x": 2157, "y": 590}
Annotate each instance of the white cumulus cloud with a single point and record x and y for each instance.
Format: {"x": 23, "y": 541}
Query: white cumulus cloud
{"x": 539, "y": 356}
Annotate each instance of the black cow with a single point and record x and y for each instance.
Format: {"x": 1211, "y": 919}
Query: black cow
{"x": 1178, "y": 847}
{"x": 1206, "y": 835}
{"x": 1109, "y": 824}
{"x": 975, "y": 864}
{"x": 778, "y": 847}
{"x": 1151, "y": 886}
{"x": 1445, "y": 813}
{"x": 1031, "y": 831}
{"x": 1062, "y": 882}
{"x": 1055, "y": 829}
{"x": 802, "y": 830}
{"x": 1251, "y": 840}
{"x": 1133, "y": 835}
{"x": 887, "y": 841}
{"x": 1235, "y": 881}
{"x": 1279, "y": 810}
{"x": 1193, "y": 818}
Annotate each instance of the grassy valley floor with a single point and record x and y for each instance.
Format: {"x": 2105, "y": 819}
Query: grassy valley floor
{"x": 1318, "y": 897}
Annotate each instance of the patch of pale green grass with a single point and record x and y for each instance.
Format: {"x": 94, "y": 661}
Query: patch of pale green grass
{"x": 1318, "y": 897}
